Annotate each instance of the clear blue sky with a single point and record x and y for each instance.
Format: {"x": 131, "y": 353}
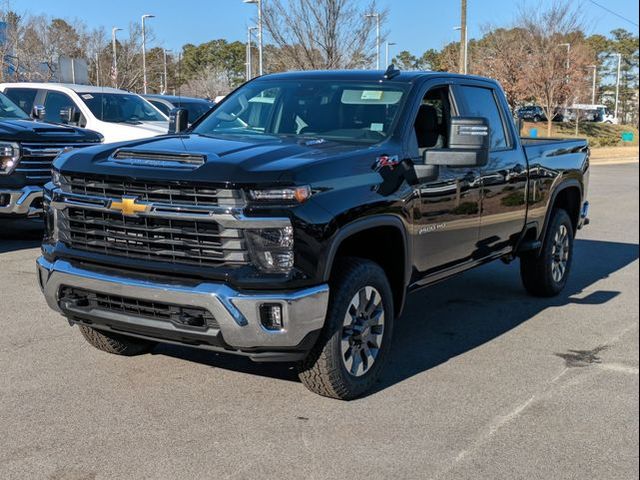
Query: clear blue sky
{"x": 415, "y": 25}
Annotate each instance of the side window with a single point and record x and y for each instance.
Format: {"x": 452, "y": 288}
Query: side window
{"x": 23, "y": 97}
{"x": 53, "y": 103}
{"x": 163, "y": 107}
{"x": 433, "y": 119}
{"x": 481, "y": 102}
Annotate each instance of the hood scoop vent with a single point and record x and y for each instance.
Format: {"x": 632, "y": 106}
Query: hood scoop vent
{"x": 159, "y": 159}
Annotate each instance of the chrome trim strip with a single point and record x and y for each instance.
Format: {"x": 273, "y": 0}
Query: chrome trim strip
{"x": 228, "y": 217}
{"x": 237, "y": 313}
{"x": 20, "y": 201}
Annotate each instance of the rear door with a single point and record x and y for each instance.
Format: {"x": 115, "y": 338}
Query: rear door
{"x": 504, "y": 178}
{"x": 25, "y": 98}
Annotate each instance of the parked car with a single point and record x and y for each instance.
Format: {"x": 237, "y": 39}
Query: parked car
{"x": 118, "y": 115}
{"x": 27, "y": 149}
{"x": 291, "y": 222}
{"x": 195, "y": 106}
{"x": 532, "y": 113}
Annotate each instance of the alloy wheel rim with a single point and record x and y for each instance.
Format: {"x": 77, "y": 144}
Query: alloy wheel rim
{"x": 362, "y": 331}
{"x": 560, "y": 254}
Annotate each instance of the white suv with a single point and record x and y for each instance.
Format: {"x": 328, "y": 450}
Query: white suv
{"x": 117, "y": 114}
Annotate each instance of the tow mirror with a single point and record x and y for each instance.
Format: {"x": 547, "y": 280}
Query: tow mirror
{"x": 70, "y": 115}
{"x": 469, "y": 140}
{"x": 38, "y": 112}
{"x": 178, "y": 120}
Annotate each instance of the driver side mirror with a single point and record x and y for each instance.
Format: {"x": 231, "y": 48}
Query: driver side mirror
{"x": 178, "y": 120}
{"x": 70, "y": 116}
{"x": 469, "y": 140}
{"x": 38, "y": 112}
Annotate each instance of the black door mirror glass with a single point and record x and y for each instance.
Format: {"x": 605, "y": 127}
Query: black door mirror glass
{"x": 178, "y": 120}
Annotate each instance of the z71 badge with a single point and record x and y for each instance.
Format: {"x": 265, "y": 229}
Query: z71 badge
{"x": 387, "y": 161}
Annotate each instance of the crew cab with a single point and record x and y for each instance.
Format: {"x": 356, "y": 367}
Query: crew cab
{"x": 116, "y": 114}
{"x": 27, "y": 149}
{"x": 291, "y": 221}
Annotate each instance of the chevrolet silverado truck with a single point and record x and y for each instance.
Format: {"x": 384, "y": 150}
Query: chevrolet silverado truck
{"x": 291, "y": 221}
{"x": 27, "y": 149}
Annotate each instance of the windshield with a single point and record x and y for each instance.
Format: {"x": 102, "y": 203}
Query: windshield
{"x": 340, "y": 111}
{"x": 121, "y": 108}
{"x": 8, "y": 109}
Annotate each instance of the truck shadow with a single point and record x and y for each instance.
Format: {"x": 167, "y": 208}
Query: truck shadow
{"x": 448, "y": 319}
{"x": 20, "y": 234}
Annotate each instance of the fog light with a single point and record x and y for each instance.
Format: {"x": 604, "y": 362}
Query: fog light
{"x": 271, "y": 316}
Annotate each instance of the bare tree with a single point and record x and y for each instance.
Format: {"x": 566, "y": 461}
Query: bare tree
{"x": 322, "y": 34}
{"x": 553, "y": 73}
{"x": 210, "y": 82}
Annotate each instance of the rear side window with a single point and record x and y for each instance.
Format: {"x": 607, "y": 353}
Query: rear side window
{"x": 481, "y": 102}
{"x": 54, "y": 103}
{"x": 23, "y": 97}
{"x": 163, "y": 107}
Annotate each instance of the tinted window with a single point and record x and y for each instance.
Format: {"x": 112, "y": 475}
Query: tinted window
{"x": 121, "y": 108}
{"x": 196, "y": 109}
{"x": 331, "y": 110}
{"x": 163, "y": 107}
{"x": 53, "y": 103}
{"x": 23, "y": 97}
{"x": 481, "y": 102}
{"x": 8, "y": 109}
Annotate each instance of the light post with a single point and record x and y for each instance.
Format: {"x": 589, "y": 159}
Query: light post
{"x": 144, "y": 54}
{"x": 166, "y": 77}
{"x": 249, "y": 72}
{"x": 465, "y": 49}
{"x": 593, "y": 86}
{"x": 259, "y": 5}
{"x": 377, "y": 17}
{"x": 615, "y": 114}
{"x": 386, "y": 52}
{"x": 114, "y": 74}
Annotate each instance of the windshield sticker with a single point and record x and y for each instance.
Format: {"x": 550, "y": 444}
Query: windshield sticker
{"x": 87, "y": 96}
{"x": 371, "y": 95}
{"x": 377, "y": 127}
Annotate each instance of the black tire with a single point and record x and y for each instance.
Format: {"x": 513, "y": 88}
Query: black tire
{"x": 537, "y": 270}
{"x": 115, "y": 343}
{"x": 324, "y": 370}
{"x": 537, "y": 118}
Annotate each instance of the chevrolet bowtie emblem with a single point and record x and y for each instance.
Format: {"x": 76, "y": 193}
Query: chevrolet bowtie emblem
{"x": 129, "y": 206}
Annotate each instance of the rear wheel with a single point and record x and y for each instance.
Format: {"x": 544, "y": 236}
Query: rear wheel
{"x": 115, "y": 343}
{"x": 350, "y": 353}
{"x": 545, "y": 274}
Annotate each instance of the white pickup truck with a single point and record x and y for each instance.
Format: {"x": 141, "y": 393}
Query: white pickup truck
{"x": 116, "y": 114}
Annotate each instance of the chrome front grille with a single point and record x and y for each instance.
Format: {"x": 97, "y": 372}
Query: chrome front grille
{"x": 153, "y": 192}
{"x": 35, "y": 162}
{"x": 171, "y": 240}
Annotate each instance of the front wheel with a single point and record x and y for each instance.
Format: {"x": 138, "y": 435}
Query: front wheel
{"x": 350, "y": 353}
{"x": 545, "y": 274}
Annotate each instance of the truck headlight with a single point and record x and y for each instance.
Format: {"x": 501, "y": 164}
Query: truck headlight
{"x": 281, "y": 195}
{"x": 9, "y": 157}
{"x": 271, "y": 248}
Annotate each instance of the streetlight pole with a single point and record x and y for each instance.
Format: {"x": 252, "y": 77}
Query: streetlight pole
{"x": 593, "y": 86}
{"x": 386, "y": 52}
{"x": 249, "y": 73}
{"x": 463, "y": 36}
{"x": 114, "y": 74}
{"x": 144, "y": 54}
{"x": 258, "y": 3}
{"x": 615, "y": 115}
{"x": 166, "y": 77}
{"x": 377, "y": 17}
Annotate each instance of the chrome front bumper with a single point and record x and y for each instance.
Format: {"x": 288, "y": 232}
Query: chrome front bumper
{"x": 21, "y": 201}
{"x": 236, "y": 313}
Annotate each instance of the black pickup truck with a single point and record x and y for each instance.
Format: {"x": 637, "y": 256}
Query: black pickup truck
{"x": 27, "y": 149}
{"x": 290, "y": 222}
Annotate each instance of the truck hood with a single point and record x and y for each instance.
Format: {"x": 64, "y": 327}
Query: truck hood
{"x": 121, "y": 132}
{"x": 32, "y": 131}
{"x": 229, "y": 160}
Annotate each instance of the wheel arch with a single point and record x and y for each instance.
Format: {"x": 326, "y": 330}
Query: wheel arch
{"x": 567, "y": 195}
{"x": 396, "y": 263}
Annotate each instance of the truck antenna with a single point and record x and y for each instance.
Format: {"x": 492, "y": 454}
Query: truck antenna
{"x": 391, "y": 72}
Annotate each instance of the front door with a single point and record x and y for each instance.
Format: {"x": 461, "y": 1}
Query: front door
{"x": 447, "y": 219}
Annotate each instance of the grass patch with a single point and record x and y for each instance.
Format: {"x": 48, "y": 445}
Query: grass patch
{"x": 598, "y": 134}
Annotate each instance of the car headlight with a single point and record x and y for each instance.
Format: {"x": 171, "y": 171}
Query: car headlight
{"x": 9, "y": 157}
{"x": 271, "y": 249}
{"x": 281, "y": 195}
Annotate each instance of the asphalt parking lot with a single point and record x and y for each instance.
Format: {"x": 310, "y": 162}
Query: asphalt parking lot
{"x": 484, "y": 383}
